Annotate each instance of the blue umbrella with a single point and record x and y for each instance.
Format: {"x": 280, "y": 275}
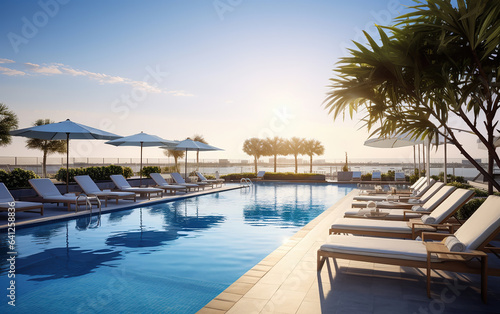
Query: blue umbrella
{"x": 65, "y": 130}
{"x": 189, "y": 144}
{"x": 143, "y": 140}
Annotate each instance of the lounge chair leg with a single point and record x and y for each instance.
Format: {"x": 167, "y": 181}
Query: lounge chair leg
{"x": 429, "y": 275}
{"x": 484, "y": 278}
{"x": 320, "y": 261}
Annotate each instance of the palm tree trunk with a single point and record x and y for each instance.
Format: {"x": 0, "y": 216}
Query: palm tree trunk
{"x": 175, "y": 162}
{"x": 255, "y": 163}
{"x": 275, "y": 156}
{"x": 197, "y": 160}
{"x": 296, "y": 163}
{"x": 311, "y": 167}
{"x": 44, "y": 164}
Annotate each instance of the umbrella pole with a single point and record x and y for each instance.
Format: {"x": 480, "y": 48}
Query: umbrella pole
{"x": 414, "y": 160}
{"x": 445, "y": 161}
{"x": 186, "y": 166}
{"x": 419, "y": 160}
{"x": 140, "y": 169}
{"x": 428, "y": 165}
{"x": 67, "y": 162}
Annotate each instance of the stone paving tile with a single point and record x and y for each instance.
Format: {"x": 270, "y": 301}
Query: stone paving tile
{"x": 225, "y": 296}
{"x": 220, "y": 304}
{"x": 284, "y": 301}
{"x": 262, "y": 291}
{"x": 247, "y": 305}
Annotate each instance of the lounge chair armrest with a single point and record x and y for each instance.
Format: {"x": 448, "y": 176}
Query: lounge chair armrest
{"x": 442, "y": 249}
{"x": 433, "y": 236}
{"x": 414, "y": 212}
{"x": 449, "y": 227}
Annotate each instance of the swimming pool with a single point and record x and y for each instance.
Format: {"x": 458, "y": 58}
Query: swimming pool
{"x": 172, "y": 257}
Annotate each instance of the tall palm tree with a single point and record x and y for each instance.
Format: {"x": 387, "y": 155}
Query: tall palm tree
{"x": 201, "y": 139}
{"x": 176, "y": 154}
{"x": 254, "y": 147}
{"x": 274, "y": 147}
{"x": 46, "y": 146}
{"x": 295, "y": 147}
{"x": 313, "y": 147}
{"x": 8, "y": 122}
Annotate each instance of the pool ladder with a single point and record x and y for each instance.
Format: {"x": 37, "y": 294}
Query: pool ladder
{"x": 88, "y": 206}
{"x": 246, "y": 182}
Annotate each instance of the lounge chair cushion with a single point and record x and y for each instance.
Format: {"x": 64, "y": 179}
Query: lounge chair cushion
{"x": 481, "y": 224}
{"x": 377, "y": 247}
{"x": 372, "y": 225}
{"x": 45, "y": 188}
{"x": 450, "y": 204}
{"x": 18, "y": 205}
{"x": 5, "y": 195}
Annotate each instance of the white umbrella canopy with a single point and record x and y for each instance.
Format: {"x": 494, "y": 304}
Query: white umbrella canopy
{"x": 190, "y": 145}
{"x": 496, "y": 143}
{"x": 143, "y": 140}
{"x": 65, "y": 130}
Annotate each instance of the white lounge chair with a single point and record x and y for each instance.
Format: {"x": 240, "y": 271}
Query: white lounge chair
{"x": 406, "y": 229}
{"x": 453, "y": 253}
{"x": 373, "y": 195}
{"x": 163, "y": 184}
{"x": 180, "y": 181}
{"x": 7, "y": 201}
{"x": 89, "y": 187}
{"x": 50, "y": 194}
{"x": 356, "y": 176}
{"x": 362, "y": 199}
{"x": 209, "y": 181}
{"x": 400, "y": 211}
{"x": 376, "y": 175}
{"x": 260, "y": 175}
{"x": 122, "y": 185}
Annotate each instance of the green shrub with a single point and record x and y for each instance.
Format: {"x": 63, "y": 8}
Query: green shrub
{"x": 479, "y": 192}
{"x": 468, "y": 209}
{"x": 17, "y": 178}
{"x": 238, "y": 176}
{"x": 169, "y": 169}
{"x": 459, "y": 185}
{"x": 389, "y": 176}
{"x": 127, "y": 172}
{"x": 96, "y": 173}
{"x": 290, "y": 176}
{"x": 150, "y": 169}
{"x": 366, "y": 177}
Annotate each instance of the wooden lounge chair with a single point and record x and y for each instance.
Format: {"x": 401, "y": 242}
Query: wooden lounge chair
{"x": 7, "y": 201}
{"x": 179, "y": 180}
{"x": 401, "y": 210}
{"x": 50, "y": 194}
{"x": 406, "y": 229}
{"x": 260, "y": 175}
{"x": 163, "y": 184}
{"x": 122, "y": 185}
{"x": 203, "y": 179}
{"x": 421, "y": 188}
{"x": 89, "y": 187}
{"x": 474, "y": 235}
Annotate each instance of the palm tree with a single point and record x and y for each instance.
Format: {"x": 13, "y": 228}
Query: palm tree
{"x": 435, "y": 66}
{"x": 295, "y": 147}
{"x": 274, "y": 146}
{"x": 46, "y": 146}
{"x": 176, "y": 154}
{"x": 201, "y": 139}
{"x": 8, "y": 122}
{"x": 313, "y": 147}
{"x": 254, "y": 147}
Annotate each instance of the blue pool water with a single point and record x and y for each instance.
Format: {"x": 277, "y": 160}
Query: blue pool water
{"x": 171, "y": 258}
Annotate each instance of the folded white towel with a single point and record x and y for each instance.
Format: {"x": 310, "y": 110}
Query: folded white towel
{"x": 371, "y": 204}
{"x": 414, "y": 201}
{"x": 417, "y": 208}
{"x": 453, "y": 244}
{"x": 426, "y": 219}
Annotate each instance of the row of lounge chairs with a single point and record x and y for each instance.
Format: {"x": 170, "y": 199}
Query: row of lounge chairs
{"x": 426, "y": 236}
{"x": 49, "y": 193}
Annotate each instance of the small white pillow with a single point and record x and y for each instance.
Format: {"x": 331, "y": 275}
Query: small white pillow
{"x": 414, "y": 201}
{"x": 453, "y": 244}
{"x": 426, "y": 219}
{"x": 371, "y": 204}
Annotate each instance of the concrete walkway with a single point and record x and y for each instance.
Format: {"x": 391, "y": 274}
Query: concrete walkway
{"x": 286, "y": 281}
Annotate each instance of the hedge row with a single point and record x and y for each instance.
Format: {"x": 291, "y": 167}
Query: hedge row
{"x": 96, "y": 173}
{"x": 17, "y": 178}
{"x": 272, "y": 176}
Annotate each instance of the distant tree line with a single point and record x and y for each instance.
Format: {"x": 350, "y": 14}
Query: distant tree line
{"x": 278, "y": 146}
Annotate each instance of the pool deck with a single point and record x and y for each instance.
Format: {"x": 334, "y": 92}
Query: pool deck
{"x": 286, "y": 281}
{"x": 52, "y": 212}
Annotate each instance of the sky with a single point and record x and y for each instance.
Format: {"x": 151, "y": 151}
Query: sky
{"x": 228, "y": 70}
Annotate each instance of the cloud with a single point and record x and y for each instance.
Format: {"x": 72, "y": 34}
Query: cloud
{"x": 11, "y": 72}
{"x": 33, "y": 69}
{"x": 6, "y": 61}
